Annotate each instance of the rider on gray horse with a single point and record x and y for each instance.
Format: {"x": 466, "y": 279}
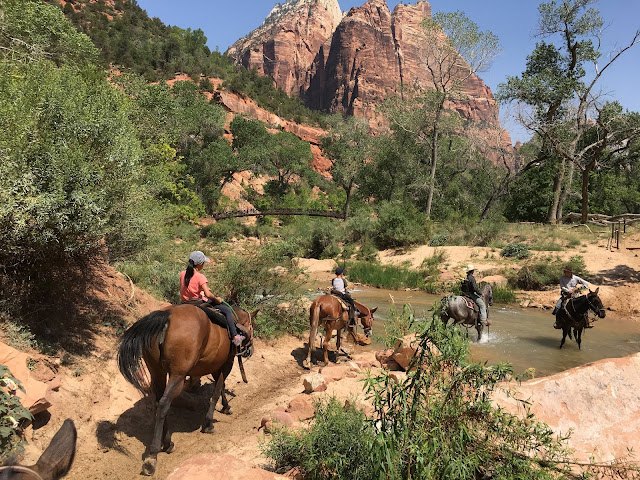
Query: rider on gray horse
{"x": 471, "y": 290}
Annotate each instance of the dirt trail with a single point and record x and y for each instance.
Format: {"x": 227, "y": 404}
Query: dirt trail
{"x": 114, "y": 423}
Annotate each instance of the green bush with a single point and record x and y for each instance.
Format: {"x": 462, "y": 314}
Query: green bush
{"x": 517, "y": 250}
{"x": 12, "y": 415}
{"x": 335, "y": 447}
{"x": 399, "y": 225}
{"x": 503, "y": 295}
{"x": 221, "y": 231}
{"x": 544, "y": 273}
{"x": 439, "y": 239}
{"x": 439, "y": 423}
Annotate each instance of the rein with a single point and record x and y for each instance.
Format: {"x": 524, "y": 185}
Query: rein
{"x": 21, "y": 469}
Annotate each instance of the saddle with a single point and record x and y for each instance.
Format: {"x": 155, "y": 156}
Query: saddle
{"x": 216, "y": 316}
{"x": 470, "y": 303}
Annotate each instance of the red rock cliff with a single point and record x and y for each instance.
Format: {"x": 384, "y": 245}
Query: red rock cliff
{"x": 351, "y": 67}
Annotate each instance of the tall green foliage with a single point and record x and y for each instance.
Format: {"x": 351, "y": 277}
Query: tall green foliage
{"x": 438, "y": 423}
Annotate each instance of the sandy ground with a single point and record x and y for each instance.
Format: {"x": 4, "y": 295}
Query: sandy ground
{"x": 114, "y": 421}
{"x": 616, "y": 272}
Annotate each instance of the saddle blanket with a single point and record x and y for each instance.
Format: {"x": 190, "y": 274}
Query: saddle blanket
{"x": 343, "y": 303}
{"x": 470, "y": 303}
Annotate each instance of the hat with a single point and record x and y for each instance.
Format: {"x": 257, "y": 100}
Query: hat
{"x": 198, "y": 257}
{"x": 470, "y": 267}
{"x": 339, "y": 270}
{"x": 568, "y": 268}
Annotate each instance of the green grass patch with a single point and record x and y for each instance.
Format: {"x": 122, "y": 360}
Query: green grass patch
{"x": 504, "y": 295}
{"x": 392, "y": 277}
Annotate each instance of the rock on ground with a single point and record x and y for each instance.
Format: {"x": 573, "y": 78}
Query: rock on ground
{"x": 599, "y": 401}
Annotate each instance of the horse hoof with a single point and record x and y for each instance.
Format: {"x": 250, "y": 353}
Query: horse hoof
{"x": 306, "y": 364}
{"x": 169, "y": 448}
{"x": 208, "y": 429}
{"x": 226, "y": 411}
{"x": 323, "y": 364}
{"x": 149, "y": 467}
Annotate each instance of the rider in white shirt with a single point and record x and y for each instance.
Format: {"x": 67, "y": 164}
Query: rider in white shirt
{"x": 339, "y": 287}
{"x": 568, "y": 285}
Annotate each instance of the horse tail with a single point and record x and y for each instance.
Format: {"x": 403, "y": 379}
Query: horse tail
{"x": 135, "y": 341}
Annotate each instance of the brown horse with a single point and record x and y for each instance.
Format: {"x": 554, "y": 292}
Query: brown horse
{"x": 328, "y": 311}
{"x": 54, "y": 463}
{"x": 177, "y": 342}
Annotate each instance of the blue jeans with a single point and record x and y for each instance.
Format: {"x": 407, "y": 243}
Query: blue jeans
{"x": 483, "y": 309}
{"x": 228, "y": 314}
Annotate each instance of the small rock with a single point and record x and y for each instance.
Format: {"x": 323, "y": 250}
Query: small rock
{"x": 398, "y": 377}
{"x": 301, "y": 408}
{"x": 314, "y": 383}
{"x": 333, "y": 373}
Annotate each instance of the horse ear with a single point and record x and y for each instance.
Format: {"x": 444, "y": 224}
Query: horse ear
{"x": 597, "y": 290}
{"x": 58, "y": 457}
{"x": 254, "y": 314}
{"x": 373, "y": 311}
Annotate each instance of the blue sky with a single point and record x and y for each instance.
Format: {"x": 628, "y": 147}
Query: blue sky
{"x": 513, "y": 21}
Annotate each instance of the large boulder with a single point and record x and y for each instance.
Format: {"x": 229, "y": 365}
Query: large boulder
{"x": 215, "y": 466}
{"x": 405, "y": 349}
{"x": 311, "y": 265}
{"x": 598, "y": 401}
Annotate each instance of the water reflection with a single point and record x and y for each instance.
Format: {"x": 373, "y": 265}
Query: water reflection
{"x": 523, "y": 337}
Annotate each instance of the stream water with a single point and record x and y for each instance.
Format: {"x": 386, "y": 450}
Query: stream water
{"x": 523, "y": 337}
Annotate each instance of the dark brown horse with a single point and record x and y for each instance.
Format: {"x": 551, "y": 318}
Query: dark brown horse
{"x": 54, "y": 463}
{"x": 574, "y": 316}
{"x": 177, "y": 342}
{"x": 328, "y": 311}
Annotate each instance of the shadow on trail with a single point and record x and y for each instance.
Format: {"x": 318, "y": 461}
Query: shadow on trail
{"x": 186, "y": 415}
{"x": 300, "y": 355}
{"x": 619, "y": 275}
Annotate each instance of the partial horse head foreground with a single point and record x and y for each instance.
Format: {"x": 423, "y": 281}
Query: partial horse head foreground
{"x": 177, "y": 342}
{"x": 575, "y": 315}
{"x": 455, "y": 307}
{"x": 54, "y": 463}
{"x": 328, "y": 311}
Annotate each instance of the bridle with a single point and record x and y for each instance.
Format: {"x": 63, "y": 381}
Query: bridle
{"x": 21, "y": 469}
{"x": 595, "y": 310}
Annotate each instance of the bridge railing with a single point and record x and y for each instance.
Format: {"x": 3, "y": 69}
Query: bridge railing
{"x": 252, "y": 212}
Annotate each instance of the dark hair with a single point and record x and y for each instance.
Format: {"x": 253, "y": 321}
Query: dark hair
{"x": 189, "y": 273}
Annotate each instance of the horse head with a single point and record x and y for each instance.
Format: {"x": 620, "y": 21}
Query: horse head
{"x": 366, "y": 319}
{"x": 54, "y": 463}
{"x": 595, "y": 304}
{"x": 487, "y": 293}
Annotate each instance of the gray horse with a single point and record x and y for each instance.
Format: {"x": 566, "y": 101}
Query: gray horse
{"x": 455, "y": 307}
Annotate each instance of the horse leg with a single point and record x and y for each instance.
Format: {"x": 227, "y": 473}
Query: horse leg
{"x": 314, "y": 321}
{"x": 173, "y": 389}
{"x": 578, "y": 335}
{"x": 226, "y": 409}
{"x": 207, "y": 426}
{"x": 479, "y": 328}
{"x": 325, "y": 345}
{"x": 564, "y": 335}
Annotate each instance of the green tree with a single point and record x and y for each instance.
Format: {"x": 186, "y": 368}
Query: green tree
{"x": 454, "y": 50}
{"x": 559, "y": 98}
{"x": 347, "y": 146}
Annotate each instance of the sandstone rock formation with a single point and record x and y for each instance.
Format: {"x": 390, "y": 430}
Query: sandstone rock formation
{"x": 598, "y": 401}
{"x": 368, "y": 56}
{"x": 285, "y": 47}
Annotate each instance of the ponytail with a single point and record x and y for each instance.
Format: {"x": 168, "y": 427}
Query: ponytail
{"x": 189, "y": 273}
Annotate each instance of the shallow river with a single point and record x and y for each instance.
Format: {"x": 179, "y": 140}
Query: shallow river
{"x": 523, "y": 337}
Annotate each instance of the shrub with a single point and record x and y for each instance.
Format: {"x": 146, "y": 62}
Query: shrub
{"x": 542, "y": 273}
{"x": 221, "y": 231}
{"x": 517, "y": 250}
{"x": 437, "y": 423}
{"x": 503, "y": 295}
{"x": 399, "y": 225}
{"x": 12, "y": 414}
{"x": 335, "y": 447}
{"x": 439, "y": 239}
